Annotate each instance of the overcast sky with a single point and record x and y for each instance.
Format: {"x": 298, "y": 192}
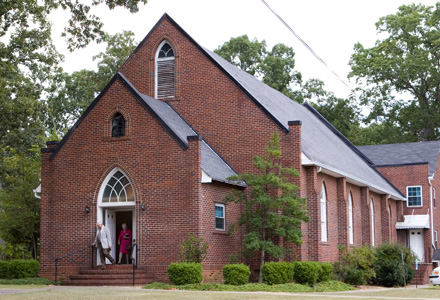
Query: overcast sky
{"x": 330, "y": 28}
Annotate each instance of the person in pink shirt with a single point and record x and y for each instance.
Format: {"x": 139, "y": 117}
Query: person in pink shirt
{"x": 124, "y": 240}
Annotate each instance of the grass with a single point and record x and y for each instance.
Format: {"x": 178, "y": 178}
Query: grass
{"x": 24, "y": 283}
{"x": 329, "y": 286}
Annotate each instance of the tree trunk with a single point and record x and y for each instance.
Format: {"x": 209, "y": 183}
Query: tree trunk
{"x": 260, "y": 280}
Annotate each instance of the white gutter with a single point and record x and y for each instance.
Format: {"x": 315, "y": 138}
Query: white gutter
{"x": 305, "y": 161}
{"x": 431, "y": 206}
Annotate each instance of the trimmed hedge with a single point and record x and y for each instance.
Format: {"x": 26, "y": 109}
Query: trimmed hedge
{"x": 185, "y": 273}
{"x": 236, "y": 274}
{"x": 19, "y": 268}
{"x": 306, "y": 272}
{"x": 325, "y": 271}
{"x": 277, "y": 272}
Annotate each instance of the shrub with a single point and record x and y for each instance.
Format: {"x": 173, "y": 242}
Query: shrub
{"x": 388, "y": 266}
{"x": 356, "y": 267}
{"x": 19, "y": 268}
{"x": 236, "y": 274}
{"x": 306, "y": 272}
{"x": 192, "y": 250}
{"x": 277, "y": 272}
{"x": 185, "y": 273}
{"x": 325, "y": 271}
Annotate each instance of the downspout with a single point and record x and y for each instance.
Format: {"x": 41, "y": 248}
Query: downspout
{"x": 431, "y": 210}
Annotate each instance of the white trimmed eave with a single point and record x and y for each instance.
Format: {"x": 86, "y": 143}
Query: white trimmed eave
{"x": 305, "y": 161}
{"x": 206, "y": 178}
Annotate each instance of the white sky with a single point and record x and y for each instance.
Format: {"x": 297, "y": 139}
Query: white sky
{"x": 330, "y": 28}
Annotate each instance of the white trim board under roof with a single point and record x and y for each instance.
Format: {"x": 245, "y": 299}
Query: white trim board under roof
{"x": 305, "y": 161}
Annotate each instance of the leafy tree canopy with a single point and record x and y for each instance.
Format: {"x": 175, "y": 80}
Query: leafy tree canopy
{"x": 71, "y": 94}
{"x": 401, "y": 73}
{"x": 275, "y": 67}
{"x": 273, "y": 208}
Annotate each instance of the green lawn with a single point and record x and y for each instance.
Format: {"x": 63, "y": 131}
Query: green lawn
{"x": 110, "y": 293}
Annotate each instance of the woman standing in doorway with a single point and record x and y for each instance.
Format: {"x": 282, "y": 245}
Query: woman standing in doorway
{"x": 124, "y": 240}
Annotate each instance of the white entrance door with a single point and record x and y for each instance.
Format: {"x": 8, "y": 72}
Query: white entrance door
{"x": 110, "y": 222}
{"x": 416, "y": 243}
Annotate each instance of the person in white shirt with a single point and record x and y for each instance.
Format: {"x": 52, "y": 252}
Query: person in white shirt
{"x": 103, "y": 241}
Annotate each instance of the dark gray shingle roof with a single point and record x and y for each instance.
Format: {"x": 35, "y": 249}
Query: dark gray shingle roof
{"x": 320, "y": 141}
{"x": 403, "y": 154}
{"x": 215, "y": 167}
{"x": 211, "y": 162}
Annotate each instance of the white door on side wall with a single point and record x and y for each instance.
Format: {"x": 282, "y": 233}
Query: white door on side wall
{"x": 110, "y": 222}
{"x": 416, "y": 243}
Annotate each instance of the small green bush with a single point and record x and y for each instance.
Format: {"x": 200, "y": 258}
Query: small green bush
{"x": 19, "y": 268}
{"x": 306, "y": 272}
{"x": 356, "y": 267}
{"x": 185, "y": 273}
{"x": 388, "y": 266}
{"x": 236, "y": 274}
{"x": 277, "y": 272}
{"x": 325, "y": 271}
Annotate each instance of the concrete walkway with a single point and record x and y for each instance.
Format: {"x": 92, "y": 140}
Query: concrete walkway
{"x": 357, "y": 294}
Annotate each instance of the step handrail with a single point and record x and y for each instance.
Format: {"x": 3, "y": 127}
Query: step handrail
{"x": 135, "y": 260}
{"x": 69, "y": 254}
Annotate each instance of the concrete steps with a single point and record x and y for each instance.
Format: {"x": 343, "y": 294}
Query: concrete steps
{"x": 113, "y": 275}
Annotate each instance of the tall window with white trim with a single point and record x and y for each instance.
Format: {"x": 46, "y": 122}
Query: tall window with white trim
{"x": 165, "y": 71}
{"x": 372, "y": 221}
{"x": 350, "y": 219}
{"x": 414, "y": 196}
{"x": 323, "y": 214}
{"x": 435, "y": 239}
{"x": 220, "y": 216}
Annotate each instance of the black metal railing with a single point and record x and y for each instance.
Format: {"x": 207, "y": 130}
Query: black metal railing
{"x": 69, "y": 254}
{"x": 135, "y": 260}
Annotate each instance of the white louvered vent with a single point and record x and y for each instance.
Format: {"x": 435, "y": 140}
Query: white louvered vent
{"x": 165, "y": 78}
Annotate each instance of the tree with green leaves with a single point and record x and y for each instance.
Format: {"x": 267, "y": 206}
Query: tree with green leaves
{"x": 400, "y": 74}
{"x": 272, "y": 208}
{"x": 275, "y": 68}
{"x": 20, "y": 210}
{"x": 71, "y": 94}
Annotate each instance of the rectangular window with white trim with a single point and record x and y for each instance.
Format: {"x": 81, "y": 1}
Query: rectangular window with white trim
{"x": 220, "y": 217}
{"x": 435, "y": 239}
{"x": 414, "y": 196}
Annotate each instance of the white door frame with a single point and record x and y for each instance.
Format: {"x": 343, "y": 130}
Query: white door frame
{"x": 114, "y": 206}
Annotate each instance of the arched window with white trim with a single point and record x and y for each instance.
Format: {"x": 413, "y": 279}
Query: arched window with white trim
{"x": 118, "y": 188}
{"x": 372, "y": 221}
{"x": 323, "y": 214}
{"x": 350, "y": 219}
{"x": 165, "y": 71}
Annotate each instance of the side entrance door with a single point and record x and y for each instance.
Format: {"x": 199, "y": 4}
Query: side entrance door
{"x": 416, "y": 243}
{"x": 110, "y": 222}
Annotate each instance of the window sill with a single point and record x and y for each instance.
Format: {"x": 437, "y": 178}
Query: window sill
{"x": 116, "y": 139}
{"x": 327, "y": 244}
{"x": 219, "y": 232}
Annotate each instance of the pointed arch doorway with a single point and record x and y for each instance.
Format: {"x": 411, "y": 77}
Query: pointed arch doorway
{"x": 116, "y": 205}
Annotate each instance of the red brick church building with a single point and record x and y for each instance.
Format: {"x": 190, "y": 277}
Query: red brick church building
{"x": 155, "y": 148}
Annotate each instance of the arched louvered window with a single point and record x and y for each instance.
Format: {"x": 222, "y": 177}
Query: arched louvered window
{"x": 165, "y": 71}
{"x": 323, "y": 214}
{"x": 118, "y": 125}
{"x": 350, "y": 219}
{"x": 118, "y": 189}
